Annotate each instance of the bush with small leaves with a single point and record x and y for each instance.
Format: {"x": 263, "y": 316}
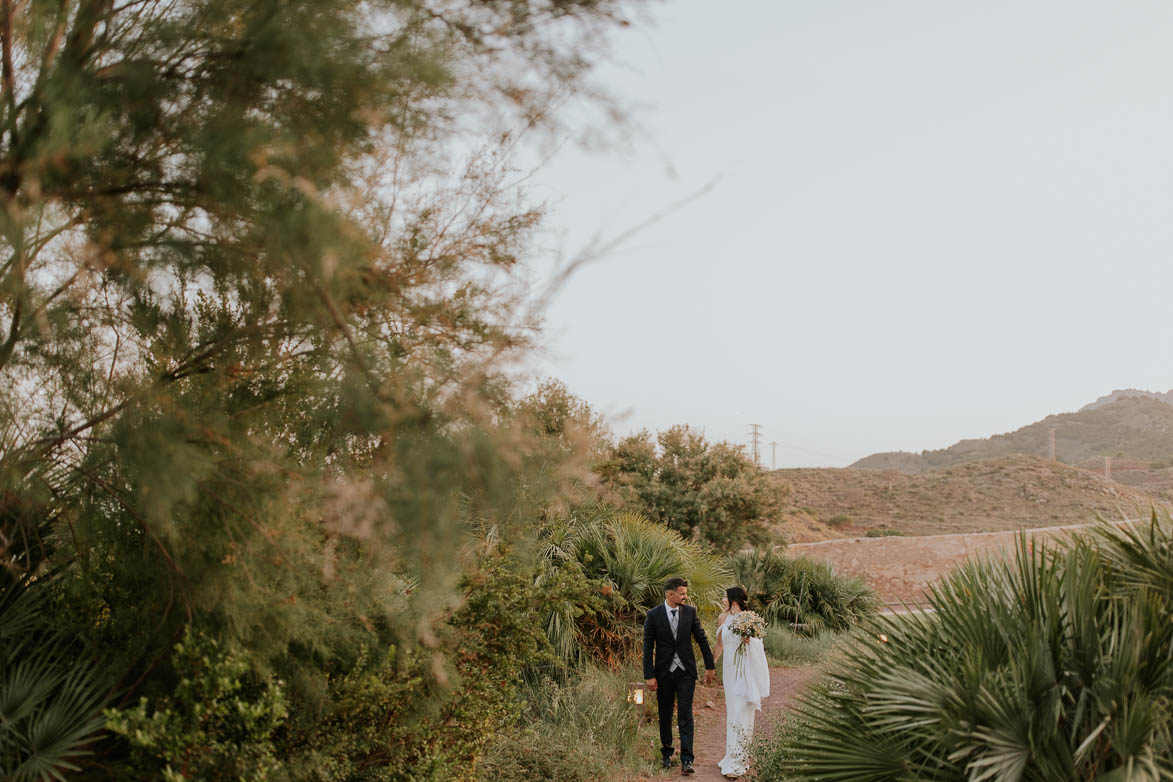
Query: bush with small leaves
{"x": 218, "y": 723}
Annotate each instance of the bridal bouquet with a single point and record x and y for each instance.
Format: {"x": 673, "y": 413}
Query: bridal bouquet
{"x": 745, "y": 625}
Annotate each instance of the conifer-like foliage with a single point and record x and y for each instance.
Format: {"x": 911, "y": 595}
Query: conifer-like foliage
{"x": 254, "y": 295}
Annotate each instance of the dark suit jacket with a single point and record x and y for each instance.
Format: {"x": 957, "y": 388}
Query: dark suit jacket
{"x": 660, "y": 646}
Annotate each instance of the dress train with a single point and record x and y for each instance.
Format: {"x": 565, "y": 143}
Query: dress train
{"x": 747, "y": 682}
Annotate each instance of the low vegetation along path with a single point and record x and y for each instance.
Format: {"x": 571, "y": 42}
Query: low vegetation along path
{"x": 709, "y": 710}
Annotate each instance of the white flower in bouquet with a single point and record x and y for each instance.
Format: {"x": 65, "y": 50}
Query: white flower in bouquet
{"x": 745, "y": 625}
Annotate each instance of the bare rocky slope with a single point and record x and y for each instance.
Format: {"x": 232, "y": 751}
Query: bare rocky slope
{"x": 1134, "y": 428}
{"x": 1166, "y": 397}
{"x": 989, "y": 495}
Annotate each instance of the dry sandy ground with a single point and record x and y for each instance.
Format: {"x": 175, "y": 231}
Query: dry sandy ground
{"x": 709, "y": 710}
{"x": 900, "y": 569}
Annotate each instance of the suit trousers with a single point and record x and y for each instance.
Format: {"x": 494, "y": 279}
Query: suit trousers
{"x": 676, "y": 686}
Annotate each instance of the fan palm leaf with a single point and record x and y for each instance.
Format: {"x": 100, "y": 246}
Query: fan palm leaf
{"x": 637, "y": 555}
{"x": 633, "y": 556}
{"x": 50, "y": 695}
{"x": 1055, "y": 666}
{"x": 802, "y": 590}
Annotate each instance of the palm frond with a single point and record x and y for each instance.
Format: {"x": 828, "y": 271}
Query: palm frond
{"x": 1055, "y": 666}
{"x": 50, "y": 694}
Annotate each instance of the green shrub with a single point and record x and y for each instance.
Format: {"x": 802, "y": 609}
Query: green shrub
{"x": 839, "y": 520}
{"x": 391, "y": 712}
{"x": 578, "y": 729}
{"x": 771, "y": 752}
{"x": 784, "y": 647}
{"x": 429, "y": 713}
{"x": 1058, "y": 666}
{"x": 705, "y": 491}
{"x": 218, "y": 724}
{"x": 883, "y": 533}
{"x": 380, "y": 714}
{"x": 802, "y": 590}
{"x": 637, "y": 555}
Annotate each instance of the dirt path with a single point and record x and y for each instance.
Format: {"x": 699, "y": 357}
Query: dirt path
{"x": 709, "y": 711}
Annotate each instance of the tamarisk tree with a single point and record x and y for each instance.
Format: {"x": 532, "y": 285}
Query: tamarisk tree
{"x": 253, "y": 298}
{"x": 706, "y": 491}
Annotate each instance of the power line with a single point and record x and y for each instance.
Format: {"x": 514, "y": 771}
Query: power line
{"x": 756, "y": 441}
{"x": 795, "y": 447}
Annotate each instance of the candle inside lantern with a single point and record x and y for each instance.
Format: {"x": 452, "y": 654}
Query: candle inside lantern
{"x": 635, "y": 693}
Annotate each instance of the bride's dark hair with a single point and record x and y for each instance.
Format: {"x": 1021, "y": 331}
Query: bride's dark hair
{"x": 737, "y": 595}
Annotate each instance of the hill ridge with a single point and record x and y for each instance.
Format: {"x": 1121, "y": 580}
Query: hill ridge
{"x": 1132, "y": 427}
{"x": 1122, "y": 393}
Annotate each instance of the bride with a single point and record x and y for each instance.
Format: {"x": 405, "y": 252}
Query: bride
{"x": 747, "y": 681}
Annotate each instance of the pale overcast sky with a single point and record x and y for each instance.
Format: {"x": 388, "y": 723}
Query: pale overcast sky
{"x": 931, "y": 220}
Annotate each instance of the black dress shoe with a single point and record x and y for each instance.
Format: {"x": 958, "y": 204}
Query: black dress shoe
{"x": 686, "y": 768}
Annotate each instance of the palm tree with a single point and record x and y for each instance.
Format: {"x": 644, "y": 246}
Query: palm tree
{"x": 50, "y": 695}
{"x": 1057, "y": 666}
{"x": 637, "y": 555}
{"x": 631, "y": 556}
{"x": 802, "y": 590}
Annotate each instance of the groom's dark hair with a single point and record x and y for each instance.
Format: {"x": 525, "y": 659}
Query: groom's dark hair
{"x": 674, "y": 583}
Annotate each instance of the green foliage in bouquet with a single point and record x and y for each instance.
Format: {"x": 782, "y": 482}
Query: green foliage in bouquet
{"x": 1058, "y": 666}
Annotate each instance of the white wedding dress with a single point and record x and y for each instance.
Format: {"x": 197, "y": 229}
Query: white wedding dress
{"x": 747, "y": 681}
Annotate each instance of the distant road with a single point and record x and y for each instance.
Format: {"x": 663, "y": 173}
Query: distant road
{"x": 900, "y": 568}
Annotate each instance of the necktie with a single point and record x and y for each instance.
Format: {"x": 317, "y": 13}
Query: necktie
{"x": 676, "y": 663}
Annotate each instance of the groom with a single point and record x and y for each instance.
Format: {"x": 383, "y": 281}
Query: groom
{"x": 672, "y": 675}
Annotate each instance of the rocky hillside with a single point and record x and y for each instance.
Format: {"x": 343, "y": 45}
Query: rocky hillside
{"x": 1003, "y": 493}
{"x": 803, "y": 525}
{"x": 1166, "y": 397}
{"x": 1133, "y": 427}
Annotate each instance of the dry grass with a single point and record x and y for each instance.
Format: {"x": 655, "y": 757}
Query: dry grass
{"x": 1008, "y": 493}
